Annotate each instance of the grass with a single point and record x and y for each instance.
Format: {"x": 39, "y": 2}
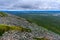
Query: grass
{"x": 4, "y": 28}
{"x": 3, "y": 14}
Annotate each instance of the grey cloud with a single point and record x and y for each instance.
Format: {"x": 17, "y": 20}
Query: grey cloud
{"x": 30, "y": 4}
{"x": 26, "y": 6}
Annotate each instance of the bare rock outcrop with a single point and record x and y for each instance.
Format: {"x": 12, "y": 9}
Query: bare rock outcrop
{"x": 37, "y": 31}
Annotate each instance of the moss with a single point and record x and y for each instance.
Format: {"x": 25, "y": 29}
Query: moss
{"x": 4, "y": 28}
{"x": 2, "y": 14}
{"x": 40, "y": 38}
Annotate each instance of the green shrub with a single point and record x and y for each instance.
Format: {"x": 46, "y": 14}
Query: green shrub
{"x": 4, "y": 28}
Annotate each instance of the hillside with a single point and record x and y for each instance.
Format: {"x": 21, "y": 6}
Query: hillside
{"x": 16, "y": 28}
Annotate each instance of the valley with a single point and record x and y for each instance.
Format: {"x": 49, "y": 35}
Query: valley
{"x": 29, "y": 26}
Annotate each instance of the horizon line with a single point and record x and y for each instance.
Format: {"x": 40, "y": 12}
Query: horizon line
{"x": 29, "y": 10}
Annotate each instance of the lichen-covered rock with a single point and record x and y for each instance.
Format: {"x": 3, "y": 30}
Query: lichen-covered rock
{"x": 16, "y": 35}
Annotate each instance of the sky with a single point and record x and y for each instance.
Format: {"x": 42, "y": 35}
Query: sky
{"x": 29, "y": 4}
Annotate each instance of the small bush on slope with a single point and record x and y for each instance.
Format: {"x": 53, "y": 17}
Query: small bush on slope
{"x": 41, "y": 39}
{"x": 4, "y": 28}
{"x": 2, "y": 14}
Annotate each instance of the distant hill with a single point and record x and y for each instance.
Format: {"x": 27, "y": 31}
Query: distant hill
{"x": 32, "y": 12}
{"x": 41, "y": 13}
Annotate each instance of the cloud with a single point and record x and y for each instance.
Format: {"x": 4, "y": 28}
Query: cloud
{"x": 29, "y": 4}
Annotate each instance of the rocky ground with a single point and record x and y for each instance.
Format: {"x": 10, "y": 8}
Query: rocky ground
{"x": 37, "y": 32}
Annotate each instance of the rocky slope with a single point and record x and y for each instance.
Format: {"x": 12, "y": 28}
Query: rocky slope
{"x": 37, "y": 32}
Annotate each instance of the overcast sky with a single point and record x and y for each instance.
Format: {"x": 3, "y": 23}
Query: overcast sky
{"x": 29, "y": 4}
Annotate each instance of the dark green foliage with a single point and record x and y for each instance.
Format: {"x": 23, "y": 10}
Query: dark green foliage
{"x": 29, "y": 20}
{"x": 26, "y": 29}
